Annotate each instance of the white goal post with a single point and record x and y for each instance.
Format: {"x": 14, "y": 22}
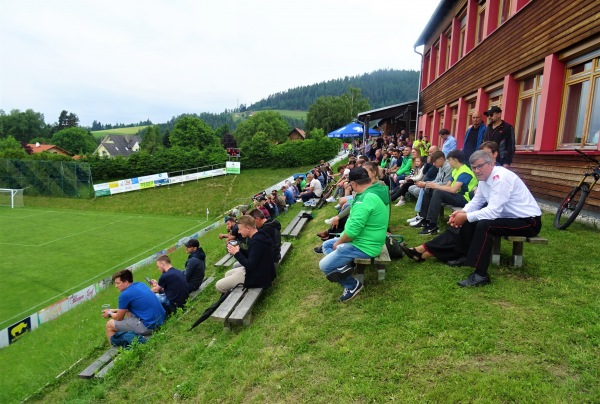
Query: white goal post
{"x": 11, "y": 197}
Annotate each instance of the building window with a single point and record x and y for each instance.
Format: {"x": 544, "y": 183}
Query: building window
{"x": 580, "y": 118}
{"x": 448, "y": 35}
{"x": 505, "y": 7}
{"x": 453, "y": 128}
{"x": 436, "y": 48}
{"x": 480, "y": 22}
{"x": 461, "y": 38}
{"x": 530, "y": 91}
{"x": 470, "y": 111}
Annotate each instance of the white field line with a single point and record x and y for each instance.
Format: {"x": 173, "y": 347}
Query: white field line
{"x": 87, "y": 281}
{"x": 27, "y": 216}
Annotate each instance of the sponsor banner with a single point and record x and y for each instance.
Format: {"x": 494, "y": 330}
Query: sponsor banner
{"x": 148, "y": 184}
{"x": 19, "y": 328}
{"x": 81, "y": 296}
{"x": 162, "y": 181}
{"x": 232, "y": 167}
{"x": 102, "y": 192}
{"x": 51, "y": 312}
{"x": 4, "y": 338}
{"x": 100, "y": 187}
{"x": 153, "y": 177}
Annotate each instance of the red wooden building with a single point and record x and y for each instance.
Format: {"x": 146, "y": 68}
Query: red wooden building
{"x": 539, "y": 60}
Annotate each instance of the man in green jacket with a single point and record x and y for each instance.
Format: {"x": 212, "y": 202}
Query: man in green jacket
{"x": 363, "y": 236}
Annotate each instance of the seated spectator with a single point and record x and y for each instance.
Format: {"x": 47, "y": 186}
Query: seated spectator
{"x": 492, "y": 148}
{"x": 502, "y": 206}
{"x": 288, "y": 194}
{"x": 279, "y": 201}
{"x": 272, "y": 228}
{"x": 455, "y": 192}
{"x": 195, "y": 265}
{"x": 416, "y": 174}
{"x": 232, "y": 230}
{"x": 171, "y": 288}
{"x": 314, "y": 190}
{"x": 404, "y": 169}
{"x": 139, "y": 310}
{"x": 268, "y": 205}
{"x": 363, "y": 237}
{"x": 430, "y": 172}
{"x": 257, "y": 268}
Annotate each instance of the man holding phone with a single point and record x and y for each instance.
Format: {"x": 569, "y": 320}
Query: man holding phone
{"x": 139, "y": 310}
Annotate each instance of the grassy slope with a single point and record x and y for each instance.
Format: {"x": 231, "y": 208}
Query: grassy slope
{"x": 533, "y": 335}
{"x": 118, "y": 131}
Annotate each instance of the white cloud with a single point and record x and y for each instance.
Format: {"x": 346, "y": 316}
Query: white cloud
{"x": 130, "y": 60}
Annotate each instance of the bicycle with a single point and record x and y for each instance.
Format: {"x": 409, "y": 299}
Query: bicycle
{"x": 573, "y": 203}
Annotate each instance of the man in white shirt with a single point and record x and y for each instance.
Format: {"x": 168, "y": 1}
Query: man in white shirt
{"x": 315, "y": 189}
{"x": 511, "y": 211}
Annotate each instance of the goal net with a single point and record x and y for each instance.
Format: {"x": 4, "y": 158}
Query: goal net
{"x": 11, "y": 197}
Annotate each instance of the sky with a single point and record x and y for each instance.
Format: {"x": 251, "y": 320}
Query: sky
{"x": 127, "y": 61}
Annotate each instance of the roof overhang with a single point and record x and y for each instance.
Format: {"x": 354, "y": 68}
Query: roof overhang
{"x": 434, "y": 22}
{"x": 391, "y": 111}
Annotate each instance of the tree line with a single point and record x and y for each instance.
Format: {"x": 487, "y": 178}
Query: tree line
{"x": 381, "y": 87}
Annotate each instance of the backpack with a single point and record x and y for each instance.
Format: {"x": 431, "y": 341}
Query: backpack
{"x": 126, "y": 338}
{"x": 393, "y": 247}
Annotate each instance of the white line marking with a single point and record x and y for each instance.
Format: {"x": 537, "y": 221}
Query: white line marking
{"x": 85, "y": 231}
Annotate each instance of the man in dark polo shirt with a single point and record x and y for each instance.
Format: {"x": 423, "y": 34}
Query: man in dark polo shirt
{"x": 171, "y": 288}
{"x": 502, "y": 133}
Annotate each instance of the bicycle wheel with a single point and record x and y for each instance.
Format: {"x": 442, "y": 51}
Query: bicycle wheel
{"x": 571, "y": 206}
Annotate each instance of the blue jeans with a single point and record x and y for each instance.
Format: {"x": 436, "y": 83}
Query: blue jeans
{"x": 342, "y": 255}
{"x": 419, "y": 201}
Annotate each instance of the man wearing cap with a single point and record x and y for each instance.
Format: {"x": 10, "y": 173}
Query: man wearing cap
{"x": 502, "y": 133}
{"x": 363, "y": 236}
{"x": 195, "y": 265}
{"x": 449, "y": 141}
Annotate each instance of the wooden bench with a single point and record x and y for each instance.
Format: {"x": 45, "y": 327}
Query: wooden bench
{"x": 296, "y": 225}
{"x": 102, "y": 365}
{"x": 517, "y": 249}
{"x": 227, "y": 261}
{"x": 381, "y": 261}
{"x": 236, "y": 309}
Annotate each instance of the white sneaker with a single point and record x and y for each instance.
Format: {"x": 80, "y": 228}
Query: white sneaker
{"x": 414, "y": 219}
{"x": 328, "y": 221}
{"x": 400, "y": 203}
{"x": 337, "y": 206}
{"x": 330, "y": 200}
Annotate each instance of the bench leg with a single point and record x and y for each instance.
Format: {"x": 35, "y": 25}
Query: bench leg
{"x": 380, "y": 272}
{"x": 496, "y": 251}
{"x": 517, "y": 254}
{"x": 360, "y": 273}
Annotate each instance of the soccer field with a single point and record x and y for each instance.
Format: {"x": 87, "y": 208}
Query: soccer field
{"x": 47, "y": 254}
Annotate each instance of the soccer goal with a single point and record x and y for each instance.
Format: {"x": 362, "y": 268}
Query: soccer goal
{"x": 11, "y": 197}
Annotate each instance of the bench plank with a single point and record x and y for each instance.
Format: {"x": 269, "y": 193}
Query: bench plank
{"x": 381, "y": 261}
{"x": 292, "y": 224}
{"x": 223, "y": 311}
{"x": 205, "y": 283}
{"x": 242, "y": 315}
{"x": 299, "y": 226}
{"x": 91, "y": 370}
{"x": 517, "y": 248}
{"x": 105, "y": 369}
{"x": 223, "y": 260}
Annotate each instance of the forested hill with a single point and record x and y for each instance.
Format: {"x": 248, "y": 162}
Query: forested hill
{"x": 381, "y": 87}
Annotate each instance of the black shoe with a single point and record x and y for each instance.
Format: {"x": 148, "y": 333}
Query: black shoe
{"x": 429, "y": 229}
{"x": 474, "y": 280}
{"x": 340, "y": 273}
{"x": 411, "y": 253}
{"x": 459, "y": 262}
{"x": 318, "y": 250}
{"x": 420, "y": 223}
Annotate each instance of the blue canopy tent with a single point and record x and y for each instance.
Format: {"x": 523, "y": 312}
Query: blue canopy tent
{"x": 351, "y": 130}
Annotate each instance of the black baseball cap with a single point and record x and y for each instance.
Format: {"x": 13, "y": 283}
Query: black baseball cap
{"x": 493, "y": 110}
{"x": 358, "y": 173}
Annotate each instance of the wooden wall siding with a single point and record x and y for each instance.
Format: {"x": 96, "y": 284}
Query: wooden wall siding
{"x": 541, "y": 28}
{"x": 551, "y": 177}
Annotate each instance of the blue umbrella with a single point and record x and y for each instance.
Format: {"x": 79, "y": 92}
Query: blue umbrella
{"x": 352, "y": 130}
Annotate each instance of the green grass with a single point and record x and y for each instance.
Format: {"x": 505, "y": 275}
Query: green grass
{"x": 133, "y": 130}
{"x": 294, "y": 114}
{"x": 531, "y": 336}
{"x": 54, "y": 253}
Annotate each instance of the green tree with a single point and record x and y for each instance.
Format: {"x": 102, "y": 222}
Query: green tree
{"x": 271, "y": 123}
{"x": 330, "y": 113}
{"x": 10, "y": 148}
{"x": 152, "y": 140}
{"x": 222, "y": 130}
{"x": 66, "y": 120}
{"x": 23, "y": 126}
{"x": 192, "y": 132}
{"x": 75, "y": 140}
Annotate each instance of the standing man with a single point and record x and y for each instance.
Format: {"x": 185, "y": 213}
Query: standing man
{"x": 363, "y": 236}
{"x": 511, "y": 211}
{"x": 474, "y": 135}
{"x": 171, "y": 288}
{"x": 195, "y": 265}
{"x": 257, "y": 269}
{"x": 449, "y": 141}
{"x": 502, "y": 133}
{"x": 139, "y": 309}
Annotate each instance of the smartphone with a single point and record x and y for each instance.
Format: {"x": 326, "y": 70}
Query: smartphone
{"x": 148, "y": 280}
